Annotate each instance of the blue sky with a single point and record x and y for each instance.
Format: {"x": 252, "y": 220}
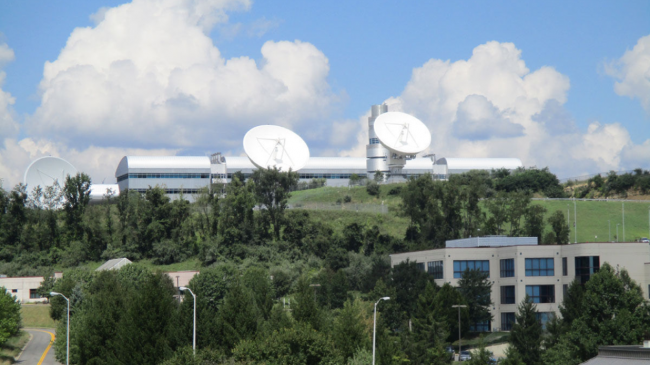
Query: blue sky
{"x": 372, "y": 49}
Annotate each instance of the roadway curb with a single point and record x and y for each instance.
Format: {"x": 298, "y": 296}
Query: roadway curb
{"x": 31, "y": 337}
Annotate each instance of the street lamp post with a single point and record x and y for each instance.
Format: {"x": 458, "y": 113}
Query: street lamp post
{"x": 67, "y": 340}
{"x": 617, "y": 224}
{"x": 374, "y": 328}
{"x": 184, "y": 288}
{"x": 459, "y": 306}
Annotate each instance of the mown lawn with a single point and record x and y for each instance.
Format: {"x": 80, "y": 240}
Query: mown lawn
{"x": 36, "y": 315}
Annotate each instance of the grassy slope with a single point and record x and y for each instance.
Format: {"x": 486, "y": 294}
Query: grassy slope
{"x": 592, "y": 215}
{"x": 36, "y": 315}
{"x": 12, "y": 347}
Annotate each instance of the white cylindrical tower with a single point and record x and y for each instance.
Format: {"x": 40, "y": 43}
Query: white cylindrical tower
{"x": 376, "y": 153}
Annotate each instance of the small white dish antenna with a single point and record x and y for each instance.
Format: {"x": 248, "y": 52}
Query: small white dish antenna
{"x": 272, "y": 145}
{"x": 401, "y": 133}
{"x": 45, "y": 171}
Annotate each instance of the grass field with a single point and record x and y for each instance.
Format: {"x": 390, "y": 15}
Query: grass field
{"x": 592, "y": 216}
{"x": 12, "y": 348}
{"x": 37, "y": 315}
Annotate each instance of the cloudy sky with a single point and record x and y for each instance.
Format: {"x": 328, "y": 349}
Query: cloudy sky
{"x": 558, "y": 84}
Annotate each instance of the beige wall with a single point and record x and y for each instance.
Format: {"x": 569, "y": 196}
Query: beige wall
{"x": 182, "y": 278}
{"x": 632, "y": 256}
{"x": 19, "y": 287}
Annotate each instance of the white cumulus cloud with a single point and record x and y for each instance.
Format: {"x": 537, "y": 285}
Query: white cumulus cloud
{"x": 149, "y": 75}
{"x": 8, "y": 124}
{"x": 633, "y": 72}
{"x": 492, "y": 105}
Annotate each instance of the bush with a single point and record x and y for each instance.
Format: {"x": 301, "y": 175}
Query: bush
{"x": 347, "y": 199}
{"x": 9, "y": 316}
{"x": 396, "y": 190}
{"x": 372, "y": 188}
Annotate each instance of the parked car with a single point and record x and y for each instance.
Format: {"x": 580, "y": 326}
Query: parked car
{"x": 645, "y": 240}
{"x": 465, "y": 355}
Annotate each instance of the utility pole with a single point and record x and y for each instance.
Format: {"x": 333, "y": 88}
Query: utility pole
{"x": 623, "y": 204}
{"x": 575, "y": 220}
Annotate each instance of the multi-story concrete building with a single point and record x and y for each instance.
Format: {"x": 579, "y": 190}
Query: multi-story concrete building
{"x": 24, "y": 288}
{"x": 518, "y": 266}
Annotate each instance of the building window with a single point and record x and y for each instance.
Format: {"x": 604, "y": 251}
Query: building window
{"x": 435, "y": 269}
{"x": 565, "y": 268}
{"x": 565, "y": 288}
{"x": 544, "y": 317}
{"x": 461, "y": 266}
{"x": 483, "y": 326}
{"x": 420, "y": 265}
{"x": 14, "y": 290}
{"x": 374, "y": 140}
{"x": 540, "y": 267}
{"x": 508, "y": 294}
{"x": 508, "y": 268}
{"x": 586, "y": 266}
{"x": 507, "y": 320}
{"x": 541, "y": 293}
{"x": 33, "y": 294}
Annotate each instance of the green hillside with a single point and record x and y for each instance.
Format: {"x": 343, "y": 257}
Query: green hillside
{"x": 592, "y": 216}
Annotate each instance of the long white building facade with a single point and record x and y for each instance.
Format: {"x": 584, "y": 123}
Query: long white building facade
{"x": 518, "y": 266}
{"x": 187, "y": 175}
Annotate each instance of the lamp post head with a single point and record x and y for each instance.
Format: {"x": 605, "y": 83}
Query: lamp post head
{"x": 183, "y": 288}
{"x": 385, "y": 298}
{"x": 459, "y": 306}
{"x": 53, "y": 293}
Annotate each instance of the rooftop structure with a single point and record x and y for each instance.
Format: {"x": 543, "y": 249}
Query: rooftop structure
{"x": 492, "y": 241}
{"x": 114, "y": 264}
{"x": 621, "y": 355}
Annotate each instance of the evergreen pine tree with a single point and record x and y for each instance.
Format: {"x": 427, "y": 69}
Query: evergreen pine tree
{"x": 429, "y": 330}
{"x": 526, "y": 334}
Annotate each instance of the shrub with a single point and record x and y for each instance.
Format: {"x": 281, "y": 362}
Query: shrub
{"x": 372, "y": 188}
{"x": 347, "y": 199}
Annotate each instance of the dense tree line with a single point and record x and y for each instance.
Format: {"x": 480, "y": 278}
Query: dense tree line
{"x": 613, "y": 184}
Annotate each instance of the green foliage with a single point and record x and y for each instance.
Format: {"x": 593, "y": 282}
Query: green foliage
{"x": 350, "y": 331}
{"x": 10, "y": 320}
{"x": 447, "y": 297}
{"x": 612, "y": 311}
{"x": 476, "y": 288}
{"x": 372, "y": 188}
{"x": 238, "y": 317}
{"x": 560, "y": 228}
{"x": 526, "y": 334}
{"x": 512, "y": 357}
{"x": 481, "y": 356}
{"x": 272, "y": 190}
{"x": 305, "y": 308}
{"x": 298, "y": 345}
{"x": 429, "y": 329}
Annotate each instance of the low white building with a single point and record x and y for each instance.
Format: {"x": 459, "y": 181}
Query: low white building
{"x": 518, "y": 266}
{"x": 24, "y": 288}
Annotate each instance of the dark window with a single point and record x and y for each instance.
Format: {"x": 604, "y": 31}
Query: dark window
{"x": 565, "y": 267}
{"x": 461, "y": 266}
{"x": 420, "y": 266}
{"x": 172, "y": 191}
{"x": 565, "y": 288}
{"x": 507, "y": 320}
{"x": 544, "y": 317}
{"x": 541, "y": 293}
{"x": 508, "y": 268}
{"x": 435, "y": 269}
{"x": 14, "y": 290}
{"x": 374, "y": 140}
{"x": 508, "y": 294}
{"x": 586, "y": 266}
{"x": 483, "y": 326}
{"x": 33, "y": 294}
{"x": 540, "y": 267}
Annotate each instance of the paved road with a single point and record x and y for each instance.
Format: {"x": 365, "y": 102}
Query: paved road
{"x": 38, "y": 351}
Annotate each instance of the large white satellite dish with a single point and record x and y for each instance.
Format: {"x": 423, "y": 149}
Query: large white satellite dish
{"x": 402, "y": 133}
{"x": 45, "y": 171}
{"x": 272, "y": 145}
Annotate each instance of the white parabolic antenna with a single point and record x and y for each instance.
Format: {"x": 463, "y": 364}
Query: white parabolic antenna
{"x": 46, "y": 170}
{"x": 272, "y": 145}
{"x": 402, "y": 133}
